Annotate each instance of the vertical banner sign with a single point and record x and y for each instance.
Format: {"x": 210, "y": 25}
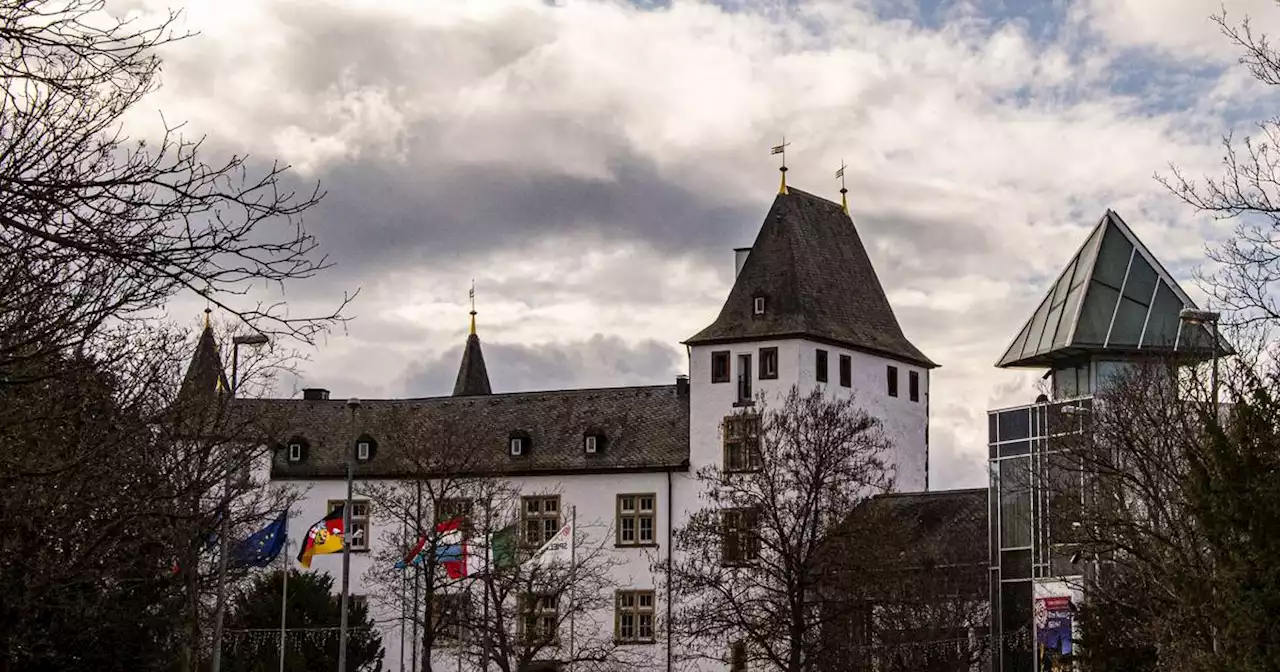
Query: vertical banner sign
{"x": 1053, "y": 631}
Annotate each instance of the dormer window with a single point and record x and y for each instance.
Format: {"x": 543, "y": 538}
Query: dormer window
{"x": 593, "y": 442}
{"x": 297, "y": 449}
{"x": 366, "y": 448}
{"x": 757, "y": 305}
{"x": 591, "y": 445}
{"x": 518, "y": 444}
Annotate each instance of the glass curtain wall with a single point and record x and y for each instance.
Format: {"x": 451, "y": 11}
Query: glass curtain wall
{"x": 1028, "y": 484}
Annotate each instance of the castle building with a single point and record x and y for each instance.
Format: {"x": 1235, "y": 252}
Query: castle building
{"x": 806, "y": 308}
{"x": 1114, "y": 305}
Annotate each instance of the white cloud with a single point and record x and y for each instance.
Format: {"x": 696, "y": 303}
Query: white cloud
{"x": 979, "y": 157}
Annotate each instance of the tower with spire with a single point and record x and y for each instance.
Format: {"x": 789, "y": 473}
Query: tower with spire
{"x": 807, "y": 309}
{"x": 473, "y": 376}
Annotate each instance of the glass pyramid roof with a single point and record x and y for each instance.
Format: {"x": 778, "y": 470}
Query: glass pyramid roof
{"x": 1113, "y": 297}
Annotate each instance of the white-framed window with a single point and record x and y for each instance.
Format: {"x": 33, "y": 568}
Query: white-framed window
{"x": 633, "y": 617}
{"x": 358, "y": 536}
{"x": 758, "y": 305}
{"x": 295, "y": 452}
{"x": 517, "y": 446}
{"x": 636, "y": 514}
{"x": 540, "y": 617}
{"x": 362, "y": 450}
{"x": 592, "y": 444}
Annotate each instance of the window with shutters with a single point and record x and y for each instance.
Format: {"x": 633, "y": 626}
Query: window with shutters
{"x": 636, "y": 514}
{"x": 633, "y": 617}
{"x": 739, "y": 534}
{"x": 742, "y": 443}
{"x": 539, "y": 518}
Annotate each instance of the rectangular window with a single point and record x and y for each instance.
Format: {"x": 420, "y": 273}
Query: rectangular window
{"x": 449, "y": 615}
{"x": 362, "y": 450}
{"x": 846, "y": 371}
{"x": 454, "y": 507}
{"x": 540, "y": 617}
{"x": 913, "y": 385}
{"x": 744, "y": 378}
{"x": 636, "y": 514}
{"x": 892, "y": 373}
{"x": 742, "y": 443}
{"x": 633, "y": 616}
{"x": 768, "y": 363}
{"x": 720, "y": 366}
{"x": 295, "y": 452}
{"x": 539, "y": 518}
{"x": 738, "y": 656}
{"x": 820, "y": 365}
{"x": 739, "y": 536}
{"x": 359, "y": 534}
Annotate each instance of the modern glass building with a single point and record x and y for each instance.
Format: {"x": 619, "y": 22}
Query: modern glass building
{"x": 1113, "y": 305}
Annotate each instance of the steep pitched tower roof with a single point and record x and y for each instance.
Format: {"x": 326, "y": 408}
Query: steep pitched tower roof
{"x": 206, "y": 378}
{"x": 817, "y": 282}
{"x": 1114, "y": 297}
{"x": 473, "y": 377}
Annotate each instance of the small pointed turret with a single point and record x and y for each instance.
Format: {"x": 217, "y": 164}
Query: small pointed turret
{"x": 206, "y": 379}
{"x": 473, "y": 376}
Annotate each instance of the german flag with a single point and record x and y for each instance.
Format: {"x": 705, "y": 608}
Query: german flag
{"x": 325, "y": 536}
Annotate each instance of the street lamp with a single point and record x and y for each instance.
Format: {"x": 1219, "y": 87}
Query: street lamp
{"x": 254, "y": 341}
{"x": 353, "y": 404}
{"x": 1198, "y": 317}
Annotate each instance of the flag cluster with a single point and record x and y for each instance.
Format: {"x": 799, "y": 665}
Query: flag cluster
{"x": 464, "y": 556}
{"x": 325, "y": 536}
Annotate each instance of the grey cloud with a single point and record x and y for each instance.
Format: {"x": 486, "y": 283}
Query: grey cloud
{"x": 599, "y": 361}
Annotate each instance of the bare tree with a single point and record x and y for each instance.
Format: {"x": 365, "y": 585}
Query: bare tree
{"x": 747, "y": 569}
{"x": 916, "y": 599}
{"x": 510, "y": 608}
{"x": 1164, "y": 505}
{"x": 1245, "y": 281}
{"x": 99, "y": 228}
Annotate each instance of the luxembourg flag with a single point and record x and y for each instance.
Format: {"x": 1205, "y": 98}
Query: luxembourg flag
{"x": 451, "y": 548}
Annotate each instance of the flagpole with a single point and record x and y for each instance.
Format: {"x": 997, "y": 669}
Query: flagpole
{"x": 573, "y": 568}
{"x": 284, "y": 593}
{"x": 353, "y": 404}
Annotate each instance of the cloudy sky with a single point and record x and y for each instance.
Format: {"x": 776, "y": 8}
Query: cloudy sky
{"x": 592, "y": 163}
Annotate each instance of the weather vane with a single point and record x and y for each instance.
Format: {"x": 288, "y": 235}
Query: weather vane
{"x": 844, "y": 200}
{"x": 782, "y": 149}
{"x": 472, "y": 296}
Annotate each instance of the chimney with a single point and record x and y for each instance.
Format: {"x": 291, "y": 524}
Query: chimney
{"x": 739, "y": 258}
{"x": 315, "y": 394}
{"x": 682, "y": 387}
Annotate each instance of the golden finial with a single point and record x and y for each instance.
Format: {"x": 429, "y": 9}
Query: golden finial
{"x": 472, "y": 296}
{"x": 844, "y": 199}
{"x": 207, "y": 312}
{"x": 782, "y": 149}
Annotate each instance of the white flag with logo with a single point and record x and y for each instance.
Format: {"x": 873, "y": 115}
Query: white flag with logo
{"x": 557, "y": 549}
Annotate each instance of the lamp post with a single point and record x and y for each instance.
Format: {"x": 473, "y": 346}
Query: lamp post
{"x": 252, "y": 340}
{"x": 1197, "y": 317}
{"x": 352, "y": 404}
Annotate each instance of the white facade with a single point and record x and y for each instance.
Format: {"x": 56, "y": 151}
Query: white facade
{"x": 904, "y": 417}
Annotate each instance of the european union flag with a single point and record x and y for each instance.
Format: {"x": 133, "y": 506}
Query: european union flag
{"x": 261, "y": 547}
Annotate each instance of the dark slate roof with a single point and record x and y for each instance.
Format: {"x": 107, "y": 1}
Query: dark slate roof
{"x": 952, "y": 521}
{"x": 1114, "y": 297}
{"x": 473, "y": 377}
{"x": 643, "y": 429}
{"x": 818, "y": 282}
{"x": 206, "y": 379}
